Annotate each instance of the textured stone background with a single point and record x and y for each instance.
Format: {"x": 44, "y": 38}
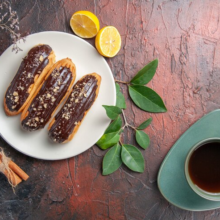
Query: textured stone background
{"x": 184, "y": 36}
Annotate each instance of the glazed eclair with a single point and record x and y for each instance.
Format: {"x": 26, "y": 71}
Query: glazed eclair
{"x": 67, "y": 121}
{"x": 28, "y": 78}
{"x": 48, "y": 97}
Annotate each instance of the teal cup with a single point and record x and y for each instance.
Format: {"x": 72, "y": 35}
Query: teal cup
{"x": 198, "y": 190}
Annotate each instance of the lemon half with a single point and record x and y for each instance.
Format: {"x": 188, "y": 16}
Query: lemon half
{"x": 84, "y": 24}
{"x": 108, "y": 41}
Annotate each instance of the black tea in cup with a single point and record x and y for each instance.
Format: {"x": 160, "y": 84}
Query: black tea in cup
{"x": 204, "y": 167}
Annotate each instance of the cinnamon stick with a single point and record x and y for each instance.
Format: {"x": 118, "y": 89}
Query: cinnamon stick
{"x": 13, "y": 178}
{"x": 13, "y": 166}
{"x": 15, "y": 174}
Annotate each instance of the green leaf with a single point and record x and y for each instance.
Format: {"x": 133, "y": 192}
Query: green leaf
{"x": 108, "y": 140}
{"x": 114, "y": 126}
{"x": 112, "y": 111}
{"x": 145, "y": 75}
{"x": 112, "y": 160}
{"x": 132, "y": 158}
{"x": 144, "y": 124}
{"x": 142, "y": 139}
{"x": 120, "y": 101}
{"x": 111, "y": 135}
{"x": 146, "y": 99}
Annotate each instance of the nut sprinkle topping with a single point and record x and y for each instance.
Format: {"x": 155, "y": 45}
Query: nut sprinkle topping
{"x": 49, "y": 96}
{"x": 80, "y": 100}
{"x": 29, "y": 70}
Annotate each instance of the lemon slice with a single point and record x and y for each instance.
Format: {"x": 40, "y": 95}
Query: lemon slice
{"x": 84, "y": 24}
{"x": 108, "y": 41}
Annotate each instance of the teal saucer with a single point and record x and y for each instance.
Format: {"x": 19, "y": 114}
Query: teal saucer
{"x": 171, "y": 178}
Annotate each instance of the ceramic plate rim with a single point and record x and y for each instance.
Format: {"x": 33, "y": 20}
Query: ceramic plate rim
{"x": 114, "y": 99}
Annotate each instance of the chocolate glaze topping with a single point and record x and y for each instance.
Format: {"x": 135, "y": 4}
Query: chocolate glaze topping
{"x": 31, "y": 66}
{"x": 47, "y": 99}
{"x": 79, "y": 101}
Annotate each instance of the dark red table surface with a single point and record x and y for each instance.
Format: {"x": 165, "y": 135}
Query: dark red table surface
{"x": 184, "y": 36}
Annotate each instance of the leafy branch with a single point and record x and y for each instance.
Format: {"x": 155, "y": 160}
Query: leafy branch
{"x": 147, "y": 100}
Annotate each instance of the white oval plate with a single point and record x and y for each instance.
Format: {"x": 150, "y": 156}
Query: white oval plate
{"x": 87, "y": 60}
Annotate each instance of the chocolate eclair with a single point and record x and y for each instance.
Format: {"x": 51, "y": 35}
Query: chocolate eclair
{"x": 47, "y": 98}
{"x": 28, "y": 78}
{"x": 67, "y": 121}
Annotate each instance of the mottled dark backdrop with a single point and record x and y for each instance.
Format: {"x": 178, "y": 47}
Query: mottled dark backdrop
{"x": 184, "y": 36}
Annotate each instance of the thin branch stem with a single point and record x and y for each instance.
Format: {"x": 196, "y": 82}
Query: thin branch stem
{"x": 119, "y": 81}
{"x": 125, "y": 120}
{"x": 120, "y": 142}
{"x": 9, "y": 29}
{"x": 132, "y": 127}
{"x": 126, "y": 123}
